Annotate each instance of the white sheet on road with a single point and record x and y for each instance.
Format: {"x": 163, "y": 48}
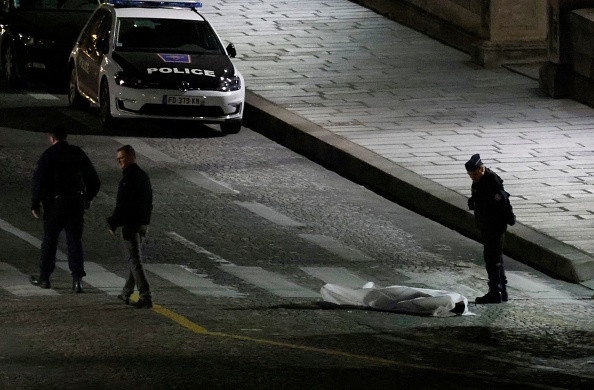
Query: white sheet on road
{"x": 401, "y": 299}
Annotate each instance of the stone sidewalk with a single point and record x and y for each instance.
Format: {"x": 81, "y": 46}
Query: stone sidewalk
{"x": 400, "y": 113}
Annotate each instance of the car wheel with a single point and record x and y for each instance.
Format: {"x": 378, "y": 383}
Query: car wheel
{"x": 74, "y": 98}
{"x": 231, "y": 127}
{"x": 105, "y": 117}
{"x": 9, "y": 74}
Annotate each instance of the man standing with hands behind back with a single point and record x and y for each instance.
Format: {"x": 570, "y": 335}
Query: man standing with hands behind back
{"x": 134, "y": 204}
{"x": 64, "y": 182}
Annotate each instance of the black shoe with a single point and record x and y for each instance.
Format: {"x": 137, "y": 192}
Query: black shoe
{"x": 77, "y": 285}
{"x": 40, "y": 283}
{"x": 143, "y": 304}
{"x": 124, "y": 298}
{"x": 504, "y": 296}
{"x": 490, "y": 297}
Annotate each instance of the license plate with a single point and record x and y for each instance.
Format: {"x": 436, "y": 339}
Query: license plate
{"x": 183, "y": 100}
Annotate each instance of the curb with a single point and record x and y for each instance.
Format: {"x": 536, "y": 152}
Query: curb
{"x": 410, "y": 190}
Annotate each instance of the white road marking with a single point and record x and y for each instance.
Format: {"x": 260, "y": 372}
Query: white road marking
{"x": 196, "y": 284}
{"x": 43, "y": 96}
{"x": 335, "y": 275}
{"x": 448, "y": 281}
{"x": 336, "y": 247}
{"x": 198, "y": 249}
{"x": 20, "y": 234}
{"x": 146, "y": 150}
{"x": 17, "y": 283}
{"x": 519, "y": 284}
{"x": 98, "y": 277}
{"x": 202, "y": 180}
{"x": 270, "y": 282}
{"x": 27, "y": 238}
{"x": 269, "y": 214}
{"x": 532, "y": 287}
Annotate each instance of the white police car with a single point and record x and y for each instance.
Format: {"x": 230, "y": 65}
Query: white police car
{"x": 155, "y": 59}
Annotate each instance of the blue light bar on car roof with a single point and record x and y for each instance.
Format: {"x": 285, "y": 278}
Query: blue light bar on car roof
{"x": 156, "y": 3}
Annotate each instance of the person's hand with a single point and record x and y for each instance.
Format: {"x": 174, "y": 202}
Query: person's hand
{"x": 36, "y": 213}
{"x": 470, "y": 204}
{"x": 111, "y": 225}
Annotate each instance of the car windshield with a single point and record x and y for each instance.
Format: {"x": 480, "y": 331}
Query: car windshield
{"x": 26, "y": 5}
{"x": 166, "y": 35}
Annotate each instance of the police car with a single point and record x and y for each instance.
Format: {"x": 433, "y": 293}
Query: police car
{"x": 155, "y": 59}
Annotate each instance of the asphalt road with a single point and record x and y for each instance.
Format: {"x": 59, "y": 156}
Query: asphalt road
{"x": 244, "y": 235}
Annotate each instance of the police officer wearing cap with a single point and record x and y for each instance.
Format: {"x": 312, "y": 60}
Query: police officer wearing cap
{"x": 489, "y": 204}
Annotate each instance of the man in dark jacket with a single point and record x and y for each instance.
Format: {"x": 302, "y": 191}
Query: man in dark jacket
{"x": 64, "y": 183}
{"x": 490, "y": 211}
{"x": 134, "y": 205}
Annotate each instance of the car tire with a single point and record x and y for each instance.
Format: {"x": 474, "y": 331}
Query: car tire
{"x": 74, "y": 97}
{"x": 231, "y": 127}
{"x": 105, "y": 117}
{"x": 10, "y": 75}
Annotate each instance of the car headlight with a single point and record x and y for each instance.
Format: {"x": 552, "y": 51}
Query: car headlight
{"x": 129, "y": 80}
{"x": 32, "y": 41}
{"x": 227, "y": 84}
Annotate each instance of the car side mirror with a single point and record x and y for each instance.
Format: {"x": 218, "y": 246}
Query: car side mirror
{"x": 231, "y": 50}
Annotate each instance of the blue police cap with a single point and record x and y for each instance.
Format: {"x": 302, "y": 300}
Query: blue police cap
{"x": 474, "y": 163}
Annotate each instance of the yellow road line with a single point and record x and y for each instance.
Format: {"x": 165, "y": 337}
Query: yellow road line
{"x": 186, "y": 323}
{"x": 183, "y": 321}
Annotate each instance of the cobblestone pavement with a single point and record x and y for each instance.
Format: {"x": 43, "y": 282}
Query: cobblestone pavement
{"x": 420, "y": 104}
{"x": 540, "y": 339}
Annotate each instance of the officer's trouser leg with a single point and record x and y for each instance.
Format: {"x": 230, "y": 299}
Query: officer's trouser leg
{"x": 52, "y": 226}
{"x": 493, "y": 248}
{"x": 74, "y": 231}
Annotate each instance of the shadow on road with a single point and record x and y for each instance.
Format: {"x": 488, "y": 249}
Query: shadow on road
{"x": 42, "y": 119}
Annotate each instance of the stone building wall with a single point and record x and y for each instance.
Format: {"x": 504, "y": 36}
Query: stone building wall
{"x": 569, "y": 71}
{"x": 493, "y": 32}
{"x": 557, "y": 33}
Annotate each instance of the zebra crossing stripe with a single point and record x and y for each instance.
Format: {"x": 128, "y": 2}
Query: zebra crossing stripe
{"x": 270, "y": 282}
{"x": 20, "y": 234}
{"x": 446, "y": 280}
{"x": 269, "y": 214}
{"x": 519, "y": 284}
{"x": 335, "y": 275}
{"x": 198, "y": 249}
{"x": 196, "y": 284}
{"x": 533, "y": 287}
{"x": 333, "y": 246}
{"x": 145, "y": 149}
{"x": 204, "y": 181}
{"x": 43, "y": 96}
{"x": 27, "y": 238}
{"x": 15, "y": 282}
{"x": 98, "y": 277}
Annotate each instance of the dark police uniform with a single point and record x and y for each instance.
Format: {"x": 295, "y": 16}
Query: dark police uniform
{"x": 490, "y": 213}
{"x": 64, "y": 182}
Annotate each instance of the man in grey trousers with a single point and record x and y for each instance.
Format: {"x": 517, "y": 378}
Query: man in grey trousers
{"x": 134, "y": 204}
